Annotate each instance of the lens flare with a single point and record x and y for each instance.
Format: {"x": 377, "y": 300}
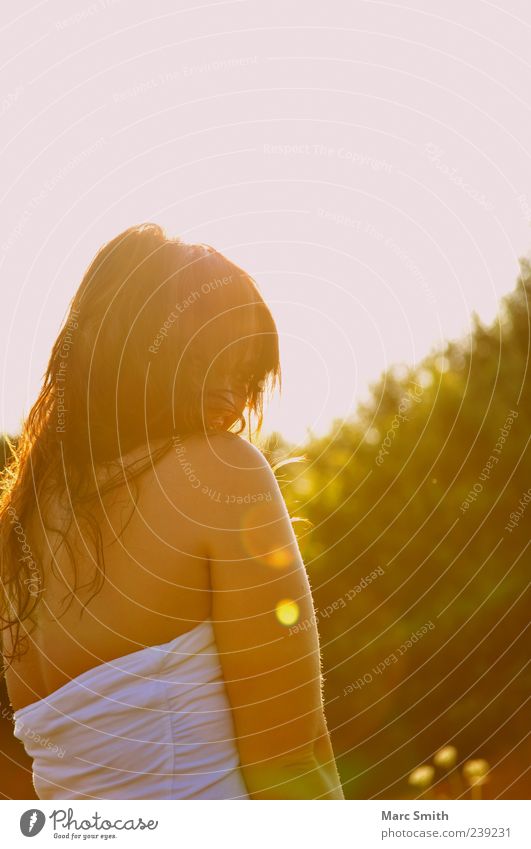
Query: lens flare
{"x": 287, "y": 611}
{"x": 259, "y": 528}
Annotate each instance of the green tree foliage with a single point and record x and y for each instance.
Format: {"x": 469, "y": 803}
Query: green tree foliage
{"x": 418, "y": 489}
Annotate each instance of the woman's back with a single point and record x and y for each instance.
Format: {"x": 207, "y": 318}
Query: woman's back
{"x": 156, "y": 583}
{"x": 126, "y": 698}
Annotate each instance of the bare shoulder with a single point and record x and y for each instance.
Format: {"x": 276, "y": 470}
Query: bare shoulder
{"x": 227, "y": 452}
{"x": 224, "y": 457}
{"x": 218, "y": 472}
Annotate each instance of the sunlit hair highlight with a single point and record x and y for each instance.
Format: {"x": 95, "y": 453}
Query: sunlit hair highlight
{"x": 159, "y": 334}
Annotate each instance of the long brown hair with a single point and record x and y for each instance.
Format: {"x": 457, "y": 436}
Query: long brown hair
{"x": 156, "y": 334}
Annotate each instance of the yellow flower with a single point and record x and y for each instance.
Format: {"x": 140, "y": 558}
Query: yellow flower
{"x": 422, "y": 776}
{"x": 445, "y": 758}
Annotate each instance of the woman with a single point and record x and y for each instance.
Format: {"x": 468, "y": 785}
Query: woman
{"x": 150, "y": 573}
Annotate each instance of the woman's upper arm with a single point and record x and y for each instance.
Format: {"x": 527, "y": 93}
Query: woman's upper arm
{"x": 262, "y": 611}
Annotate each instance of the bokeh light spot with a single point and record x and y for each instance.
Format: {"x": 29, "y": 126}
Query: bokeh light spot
{"x": 259, "y": 532}
{"x": 279, "y": 558}
{"x": 287, "y": 611}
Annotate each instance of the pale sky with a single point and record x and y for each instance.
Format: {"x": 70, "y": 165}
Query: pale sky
{"x": 367, "y": 162}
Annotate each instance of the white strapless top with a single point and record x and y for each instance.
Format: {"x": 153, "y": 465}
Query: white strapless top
{"x": 154, "y": 724}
